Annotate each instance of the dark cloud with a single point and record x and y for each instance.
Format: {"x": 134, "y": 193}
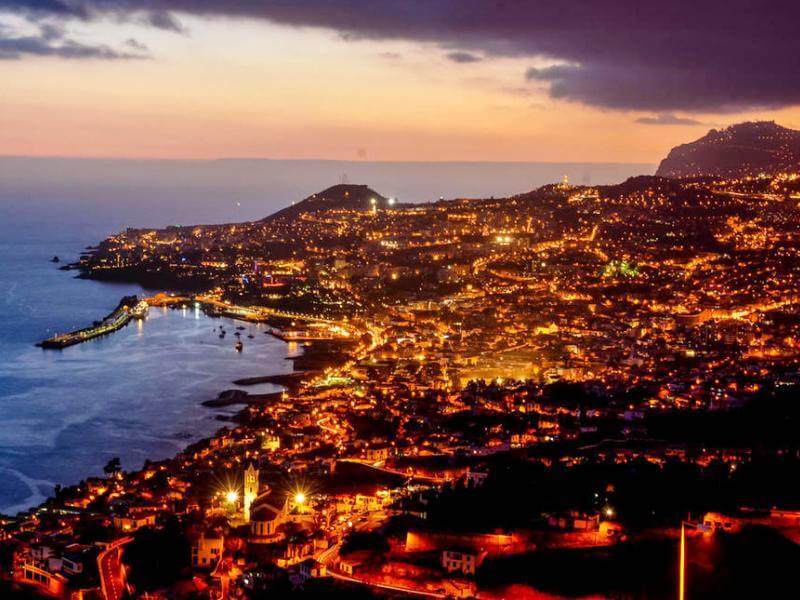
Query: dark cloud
{"x": 51, "y": 40}
{"x": 667, "y": 119}
{"x": 663, "y": 56}
{"x": 137, "y": 45}
{"x": 44, "y": 7}
{"x": 51, "y": 31}
{"x": 162, "y": 19}
{"x": 463, "y": 57}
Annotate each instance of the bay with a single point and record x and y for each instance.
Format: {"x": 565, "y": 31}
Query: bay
{"x": 136, "y": 393}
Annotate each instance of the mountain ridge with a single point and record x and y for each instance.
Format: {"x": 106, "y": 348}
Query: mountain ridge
{"x": 741, "y": 150}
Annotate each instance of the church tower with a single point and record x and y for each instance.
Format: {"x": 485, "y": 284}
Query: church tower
{"x": 250, "y": 489}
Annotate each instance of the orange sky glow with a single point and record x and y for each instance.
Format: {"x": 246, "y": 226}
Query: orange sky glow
{"x": 238, "y": 88}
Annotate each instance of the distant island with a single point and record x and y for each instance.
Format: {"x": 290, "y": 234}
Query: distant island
{"x": 741, "y": 150}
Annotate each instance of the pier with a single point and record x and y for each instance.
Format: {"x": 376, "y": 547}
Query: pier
{"x": 130, "y": 307}
{"x": 305, "y": 335}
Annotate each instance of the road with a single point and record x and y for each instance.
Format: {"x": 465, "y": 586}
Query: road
{"x": 328, "y": 558}
{"x": 261, "y": 312}
{"x": 386, "y": 586}
{"x": 112, "y": 571}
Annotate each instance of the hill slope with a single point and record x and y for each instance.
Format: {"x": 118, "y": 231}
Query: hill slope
{"x": 737, "y": 151}
{"x": 343, "y": 196}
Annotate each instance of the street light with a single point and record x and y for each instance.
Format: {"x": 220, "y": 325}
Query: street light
{"x": 232, "y": 496}
{"x": 682, "y": 564}
{"x": 682, "y": 559}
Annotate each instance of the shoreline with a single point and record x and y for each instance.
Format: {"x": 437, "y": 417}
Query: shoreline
{"x": 287, "y": 380}
{"x": 234, "y": 397}
{"x": 290, "y": 382}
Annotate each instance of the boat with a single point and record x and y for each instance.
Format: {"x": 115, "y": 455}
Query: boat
{"x": 238, "y": 345}
{"x": 250, "y": 336}
{"x": 141, "y": 310}
{"x": 222, "y": 335}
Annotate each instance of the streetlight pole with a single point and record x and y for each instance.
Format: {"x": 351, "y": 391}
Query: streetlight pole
{"x": 682, "y": 565}
{"x": 682, "y": 559}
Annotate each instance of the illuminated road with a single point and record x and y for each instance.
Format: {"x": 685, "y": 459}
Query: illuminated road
{"x": 112, "y": 571}
{"x": 263, "y": 312}
{"x": 386, "y": 586}
{"x": 328, "y": 558}
{"x": 388, "y": 471}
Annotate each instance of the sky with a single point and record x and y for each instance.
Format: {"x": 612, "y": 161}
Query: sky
{"x": 389, "y": 80}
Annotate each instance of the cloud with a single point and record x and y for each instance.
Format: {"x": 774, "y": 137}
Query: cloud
{"x": 44, "y": 7}
{"x": 552, "y": 73}
{"x": 681, "y": 55}
{"x": 162, "y": 19}
{"x": 51, "y": 40}
{"x": 463, "y": 57}
{"x": 519, "y": 91}
{"x": 667, "y": 119}
{"x": 137, "y": 45}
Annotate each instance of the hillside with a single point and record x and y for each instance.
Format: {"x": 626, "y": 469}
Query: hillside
{"x": 738, "y": 151}
{"x": 342, "y": 196}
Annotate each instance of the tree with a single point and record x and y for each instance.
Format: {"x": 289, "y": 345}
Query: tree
{"x": 113, "y": 466}
{"x": 157, "y": 557}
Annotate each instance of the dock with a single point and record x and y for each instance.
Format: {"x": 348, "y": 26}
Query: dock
{"x": 318, "y": 328}
{"x": 303, "y": 335}
{"x": 129, "y": 308}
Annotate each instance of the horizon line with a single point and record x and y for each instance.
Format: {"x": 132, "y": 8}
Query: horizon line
{"x": 330, "y": 160}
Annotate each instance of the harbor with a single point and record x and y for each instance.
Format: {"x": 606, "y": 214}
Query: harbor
{"x": 317, "y": 328}
{"x": 129, "y": 308}
{"x": 150, "y": 408}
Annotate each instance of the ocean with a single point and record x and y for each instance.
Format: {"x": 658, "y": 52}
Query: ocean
{"x": 136, "y": 393}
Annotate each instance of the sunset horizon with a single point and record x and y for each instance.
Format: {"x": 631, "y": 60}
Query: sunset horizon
{"x": 184, "y": 80}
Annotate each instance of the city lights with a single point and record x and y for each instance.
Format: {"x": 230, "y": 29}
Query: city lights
{"x": 451, "y": 360}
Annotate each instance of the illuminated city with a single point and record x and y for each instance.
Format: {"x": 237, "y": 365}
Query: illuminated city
{"x": 579, "y": 390}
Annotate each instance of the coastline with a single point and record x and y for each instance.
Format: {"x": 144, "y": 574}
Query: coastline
{"x": 36, "y": 497}
{"x": 137, "y": 393}
{"x": 289, "y": 382}
{"x": 236, "y": 397}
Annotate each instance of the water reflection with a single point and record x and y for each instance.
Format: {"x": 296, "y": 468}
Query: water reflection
{"x": 135, "y": 394}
